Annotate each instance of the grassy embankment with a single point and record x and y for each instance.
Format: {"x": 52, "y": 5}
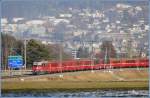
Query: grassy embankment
{"x": 126, "y": 79}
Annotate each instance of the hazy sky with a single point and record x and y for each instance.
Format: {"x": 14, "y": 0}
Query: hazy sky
{"x": 34, "y": 8}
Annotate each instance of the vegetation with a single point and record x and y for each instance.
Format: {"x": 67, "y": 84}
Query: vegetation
{"x": 36, "y": 51}
{"x": 58, "y": 85}
{"x": 10, "y": 46}
{"x": 82, "y": 52}
{"x": 107, "y": 51}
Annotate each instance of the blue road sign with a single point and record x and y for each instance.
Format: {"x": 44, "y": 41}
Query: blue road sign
{"x": 15, "y": 61}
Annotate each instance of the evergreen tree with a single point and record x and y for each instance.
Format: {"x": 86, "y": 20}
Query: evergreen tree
{"x": 82, "y": 52}
{"x": 36, "y": 52}
{"x": 107, "y": 51}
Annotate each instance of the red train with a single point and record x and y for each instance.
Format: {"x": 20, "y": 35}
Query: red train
{"x": 77, "y": 65}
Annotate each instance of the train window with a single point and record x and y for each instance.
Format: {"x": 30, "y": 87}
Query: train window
{"x": 143, "y": 60}
{"x": 130, "y": 61}
{"x": 116, "y": 62}
{"x": 37, "y": 63}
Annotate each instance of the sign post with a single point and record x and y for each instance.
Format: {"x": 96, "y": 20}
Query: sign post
{"x": 15, "y": 61}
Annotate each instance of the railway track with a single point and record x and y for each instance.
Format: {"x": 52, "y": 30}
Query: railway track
{"x": 15, "y": 76}
{"x": 64, "y": 73}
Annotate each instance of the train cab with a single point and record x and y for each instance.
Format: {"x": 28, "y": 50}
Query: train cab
{"x": 38, "y": 67}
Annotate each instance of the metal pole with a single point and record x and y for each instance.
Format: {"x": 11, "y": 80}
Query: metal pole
{"x": 92, "y": 63}
{"x": 109, "y": 56}
{"x": 105, "y": 60}
{"x": 6, "y": 52}
{"x": 25, "y": 55}
{"x": 60, "y": 58}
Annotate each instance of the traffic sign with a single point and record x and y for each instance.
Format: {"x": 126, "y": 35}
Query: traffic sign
{"x": 15, "y": 61}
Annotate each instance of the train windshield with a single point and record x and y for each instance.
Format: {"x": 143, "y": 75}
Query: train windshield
{"x": 40, "y": 63}
{"x": 37, "y": 63}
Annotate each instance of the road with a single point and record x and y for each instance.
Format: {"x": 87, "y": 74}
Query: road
{"x": 10, "y": 73}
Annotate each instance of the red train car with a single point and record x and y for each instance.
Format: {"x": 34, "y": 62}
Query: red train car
{"x": 55, "y": 66}
{"x": 142, "y": 62}
{"x": 77, "y": 65}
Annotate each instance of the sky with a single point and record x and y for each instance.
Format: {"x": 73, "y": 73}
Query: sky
{"x": 35, "y": 8}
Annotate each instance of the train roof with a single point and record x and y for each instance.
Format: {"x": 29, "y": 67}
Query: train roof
{"x": 128, "y": 58}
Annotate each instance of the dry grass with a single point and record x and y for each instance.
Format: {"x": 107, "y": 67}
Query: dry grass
{"x": 73, "y": 85}
{"x": 84, "y": 80}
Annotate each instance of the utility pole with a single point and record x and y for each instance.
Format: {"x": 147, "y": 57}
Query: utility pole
{"x": 92, "y": 60}
{"x": 25, "y": 54}
{"x": 92, "y": 55}
{"x": 5, "y": 52}
{"x": 128, "y": 45}
{"x": 109, "y": 55}
{"x": 119, "y": 57}
{"x": 60, "y": 58}
{"x": 105, "y": 59}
